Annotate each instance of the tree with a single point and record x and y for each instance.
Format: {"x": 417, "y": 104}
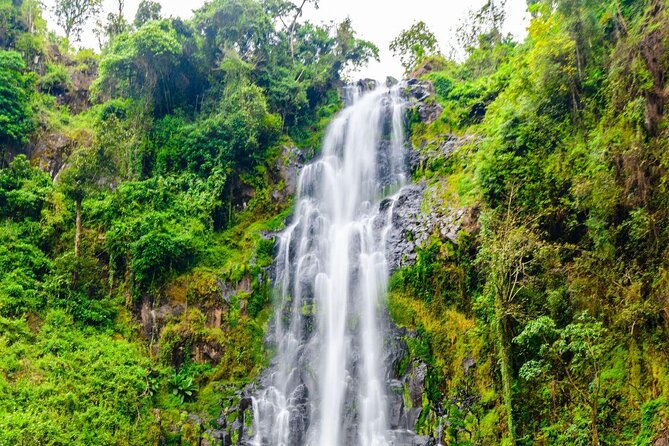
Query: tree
{"x": 139, "y": 64}
{"x": 88, "y": 169}
{"x": 15, "y": 112}
{"x": 573, "y": 355}
{"x": 237, "y": 136}
{"x": 297, "y": 13}
{"x": 115, "y": 25}
{"x": 76, "y": 181}
{"x": 351, "y": 51}
{"x": 146, "y": 11}
{"x": 23, "y": 190}
{"x": 507, "y": 252}
{"x": 486, "y": 21}
{"x": 72, "y": 15}
{"x": 242, "y": 25}
{"x": 414, "y": 44}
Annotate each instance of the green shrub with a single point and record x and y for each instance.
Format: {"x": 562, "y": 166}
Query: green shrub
{"x": 15, "y": 90}
{"x": 56, "y": 80}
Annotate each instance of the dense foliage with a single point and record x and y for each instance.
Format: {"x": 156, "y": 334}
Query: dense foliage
{"x": 546, "y": 323}
{"x": 15, "y": 113}
{"x": 134, "y": 189}
{"x": 138, "y": 185}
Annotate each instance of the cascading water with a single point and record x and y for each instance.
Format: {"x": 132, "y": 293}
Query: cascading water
{"x": 326, "y": 385}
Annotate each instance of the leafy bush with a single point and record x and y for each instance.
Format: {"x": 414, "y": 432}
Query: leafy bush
{"x": 15, "y": 90}
{"x": 75, "y": 387}
{"x": 183, "y": 386}
{"x": 55, "y": 81}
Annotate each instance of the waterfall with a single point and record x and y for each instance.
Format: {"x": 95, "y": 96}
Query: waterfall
{"x": 326, "y": 384}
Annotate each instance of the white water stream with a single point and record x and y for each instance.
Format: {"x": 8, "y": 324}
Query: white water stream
{"x": 327, "y": 383}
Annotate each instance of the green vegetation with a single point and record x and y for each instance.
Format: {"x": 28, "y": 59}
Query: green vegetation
{"x": 15, "y": 90}
{"x": 134, "y": 292}
{"x": 546, "y": 323}
{"x": 138, "y": 185}
{"x": 414, "y": 45}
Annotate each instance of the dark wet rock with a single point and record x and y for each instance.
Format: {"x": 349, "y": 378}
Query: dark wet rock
{"x": 395, "y": 403}
{"x": 406, "y": 224}
{"x": 288, "y": 167}
{"x": 418, "y": 213}
{"x": 414, "y": 159}
{"x": 367, "y": 84}
{"x": 404, "y": 391}
{"x": 234, "y": 424}
{"x": 416, "y": 383}
{"x": 420, "y": 97}
{"x": 408, "y": 438}
{"x": 391, "y": 81}
{"x": 419, "y": 90}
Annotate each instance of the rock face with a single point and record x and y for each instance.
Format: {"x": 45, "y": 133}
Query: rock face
{"x": 428, "y": 66}
{"x": 420, "y": 96}
{"x": 288, "y": 166}
{"x": 367, "y": 84}
{"x": 50, "y": 148}
{"x": 418, "y": 214}
{"x": 409, "y": 226}
{"x": 50, "y": 152}
{"x": 404, "y": 391}
{"x": 207, "y": 293}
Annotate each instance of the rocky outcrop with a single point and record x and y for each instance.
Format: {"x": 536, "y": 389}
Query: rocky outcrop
{"x": 210, "y": 294}
{"x": 405, "y": 391}
{"x": 75, "y": 93}
{"x": 417, "y": 215}
{"x": 367, "y": 84}
{"x": 420, "y": 211}
{"x": 420, "y": 97}
{"x": 50, "y": 152}
{"x": 191, "y": 303}
{"x": 288, "y": 167}
{"x": 236, "y": 419}
{"x": 233, "y": 427}
{"x": 391, "y": 82}
{"x": 408, "y": 226}
{"x": 50, "y": 146}
{"x": 428, "y": 66}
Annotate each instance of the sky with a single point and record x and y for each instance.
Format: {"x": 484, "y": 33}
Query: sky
{"x": 378, "y": 21}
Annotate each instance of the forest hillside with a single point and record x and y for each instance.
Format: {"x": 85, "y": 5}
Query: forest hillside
{"x": 142, "y": 186}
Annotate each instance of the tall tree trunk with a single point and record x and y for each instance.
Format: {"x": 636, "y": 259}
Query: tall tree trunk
{"x": 594, "y": 410}
{"x": 291, "y": 31}
{"x": 593, "y": 421}
{"x": 77, "y": 234}
{"x": 77, "y": 240}
{"x": 505, "y": 365}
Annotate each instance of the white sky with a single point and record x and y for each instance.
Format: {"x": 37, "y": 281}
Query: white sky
{"x": 378, "y": 21}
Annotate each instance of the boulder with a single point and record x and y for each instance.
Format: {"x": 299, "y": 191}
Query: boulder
{"x": 420, "y": 97}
